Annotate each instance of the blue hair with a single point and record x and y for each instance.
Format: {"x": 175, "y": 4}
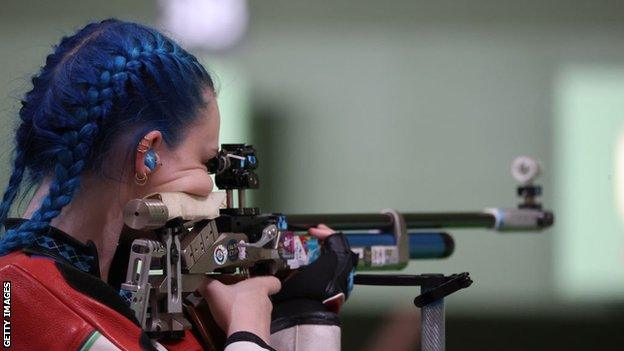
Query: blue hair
{"x": 107, "y": 79}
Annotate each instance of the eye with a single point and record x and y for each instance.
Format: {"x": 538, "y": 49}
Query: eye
{"x": 219, "y": 163}
{"x": 212, "y": 165}
{"x": 208, "y": 162}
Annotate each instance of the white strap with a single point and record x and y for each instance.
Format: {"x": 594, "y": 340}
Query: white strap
{"x": 307, "y": 337}
{"x": 244, "y": 346}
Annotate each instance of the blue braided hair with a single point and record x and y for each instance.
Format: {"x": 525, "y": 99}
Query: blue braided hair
{"x": 109, "y": 79}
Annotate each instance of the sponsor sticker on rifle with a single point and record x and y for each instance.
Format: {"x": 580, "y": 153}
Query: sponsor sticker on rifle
{"x": 232, "y": 248}
{"x": 300, "y": 256}
{"x": 220, "y": 255}
{"x": 358, "y": 251}
{"x": 242, "y": 250}
{"x": 383, "y": 255}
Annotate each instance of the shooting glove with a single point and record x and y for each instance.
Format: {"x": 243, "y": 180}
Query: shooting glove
{"x": 313, "y": 294}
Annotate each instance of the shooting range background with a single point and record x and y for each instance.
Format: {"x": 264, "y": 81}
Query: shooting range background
{"x": 421, "y": 106}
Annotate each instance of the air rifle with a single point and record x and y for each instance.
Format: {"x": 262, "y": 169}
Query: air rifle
{"x": 211, "y": 236}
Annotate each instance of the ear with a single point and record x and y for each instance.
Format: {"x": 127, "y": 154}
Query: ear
{"x": 151, "y": 141}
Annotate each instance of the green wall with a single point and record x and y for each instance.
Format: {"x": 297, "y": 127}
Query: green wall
{"x": 422, "y": 106}
{"x": 359, "y": 106}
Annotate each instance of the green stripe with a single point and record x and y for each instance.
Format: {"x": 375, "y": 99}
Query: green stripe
{"x": 90, "y": 341}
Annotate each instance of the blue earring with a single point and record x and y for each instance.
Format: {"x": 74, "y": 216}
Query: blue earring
{"x": 152, "y": 160}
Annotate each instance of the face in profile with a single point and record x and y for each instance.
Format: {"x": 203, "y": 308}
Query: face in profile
{"x": 184, "y": 166}
{"x": 183, "y": 169}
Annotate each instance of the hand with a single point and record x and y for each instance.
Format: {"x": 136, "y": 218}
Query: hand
{"x": 313, "y": 294}
{"x": 326, "y": 277}
{"x": 244, "y": 306}
{"x": 341, "y": 248}
{"x": 321, "y": 231}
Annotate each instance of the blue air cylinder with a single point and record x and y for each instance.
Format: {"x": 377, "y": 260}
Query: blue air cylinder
{"x": 422, "y": 245}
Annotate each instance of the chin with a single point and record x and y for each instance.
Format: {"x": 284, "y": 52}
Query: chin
{"x": 199, "y": 188}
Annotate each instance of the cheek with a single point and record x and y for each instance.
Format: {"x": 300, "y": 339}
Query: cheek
{"x": 194, "y": 182}
{"x": 199, "y": 183}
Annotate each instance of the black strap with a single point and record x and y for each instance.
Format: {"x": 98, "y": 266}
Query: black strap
{"x": 249, "y": 337}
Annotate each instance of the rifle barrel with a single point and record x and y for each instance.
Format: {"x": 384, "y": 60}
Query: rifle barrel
{"x": 383, "y": 222}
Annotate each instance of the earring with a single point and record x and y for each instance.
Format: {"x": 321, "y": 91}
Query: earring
{"x": 144, "y": 145}
{"x": 152, "y": 160}
{"x": 140, "y": 180}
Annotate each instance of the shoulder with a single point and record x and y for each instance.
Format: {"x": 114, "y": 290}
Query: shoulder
{"x": 49, "y": 306}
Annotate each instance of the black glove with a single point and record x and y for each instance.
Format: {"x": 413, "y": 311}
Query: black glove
{"x": 313, "y": 294}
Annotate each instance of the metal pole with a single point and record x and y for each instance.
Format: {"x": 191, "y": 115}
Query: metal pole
{"x": 433, "y": 289}
{"x": 241, "y": 198}
{"x": 433, "y": 324}
{"x": 384, "y": 222}
{"x": 230, "y": 198}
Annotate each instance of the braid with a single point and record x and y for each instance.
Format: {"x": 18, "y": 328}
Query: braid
{"x": 19, "y": 165}
{"x": 40, "y": 83}
{"x": 69, "y": 121}
{"x": 71, "y": 159}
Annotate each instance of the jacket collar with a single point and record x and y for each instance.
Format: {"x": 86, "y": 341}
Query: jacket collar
{"x": 62, "y": 247}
